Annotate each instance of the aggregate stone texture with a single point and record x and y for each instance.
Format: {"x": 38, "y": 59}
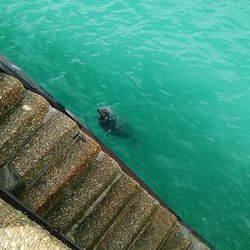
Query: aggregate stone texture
{"x": 198, "y": 245}
{"x": 11, "y": 91}
{"x": 101, "y": 218}
{"x": 121, "y": 234}
{"x": 73, "y": 184}
{"x": 75, "y": 203}
{"x": 179, "y": 239}
{"x": 73, "y": 162}
{"x": 155, "y": 231}
{"x": 45, "y": 146}
{"x": 17, "y": 231}
{"x": 16, "y": 126}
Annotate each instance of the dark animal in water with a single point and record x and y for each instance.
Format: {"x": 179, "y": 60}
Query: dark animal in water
{"x": 107, "y": 120}
{"x": 111, "y": 124}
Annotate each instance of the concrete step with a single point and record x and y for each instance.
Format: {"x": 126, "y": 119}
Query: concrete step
{"x": 45, "y": 146}
{"x": 155, "y": 231}
{"x": 85, "y": 194}
{"x": 198, "y": 245}
{"x": 19, "y": 232}
{"x": 10, "y": 180}
{"x": 180, "y": 239}
{"x": 16, "y": 127}
{"x": 125, "y": 229}
{"x": 101, "y": 218}
{"x": 11, "y": 93}
{"x": 60, "y": 172}
{"x": 73, "y": 162}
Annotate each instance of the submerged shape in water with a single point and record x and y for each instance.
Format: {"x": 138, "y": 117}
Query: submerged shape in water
{"x": 111, "y": 123}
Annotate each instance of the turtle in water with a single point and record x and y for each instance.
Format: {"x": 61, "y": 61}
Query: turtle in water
{"x": 111, "y": 123}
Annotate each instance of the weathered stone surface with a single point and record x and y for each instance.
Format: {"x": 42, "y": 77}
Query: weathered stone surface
{"x": 179, "y": 239}
{"x": 128, "y": 226}
{"x": 102, "y": 209}
{"x": 10, "y": 180}
{"x": 75, "y": 203}
{"x": 45, "y": 145}
{"x": 18, "y": 232}
{"x": 159, "y": 226}
{"x": 11, "y": 91}
{"x": 95, "y": 225}
{"x": 198, "y": 245}
{"x": 15, "y": 128}
{"x": 65, "y": 170}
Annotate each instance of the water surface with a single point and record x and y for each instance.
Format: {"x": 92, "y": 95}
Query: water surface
{"x": 177, "y": 71}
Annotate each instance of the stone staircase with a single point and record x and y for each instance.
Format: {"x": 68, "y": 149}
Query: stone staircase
{"x": 62, "y": 174}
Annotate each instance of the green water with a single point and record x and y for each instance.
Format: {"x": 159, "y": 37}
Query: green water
{"x": 178, "y": 72}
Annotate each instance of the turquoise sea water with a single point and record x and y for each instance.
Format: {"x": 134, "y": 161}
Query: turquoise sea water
{"x": 178, "y": 72}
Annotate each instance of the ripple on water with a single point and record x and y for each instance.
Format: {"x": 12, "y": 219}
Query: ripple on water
{"x": 177, "y": 72}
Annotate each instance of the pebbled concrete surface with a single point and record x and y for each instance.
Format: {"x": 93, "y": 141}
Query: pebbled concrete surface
{"x": 18, "y": 232}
